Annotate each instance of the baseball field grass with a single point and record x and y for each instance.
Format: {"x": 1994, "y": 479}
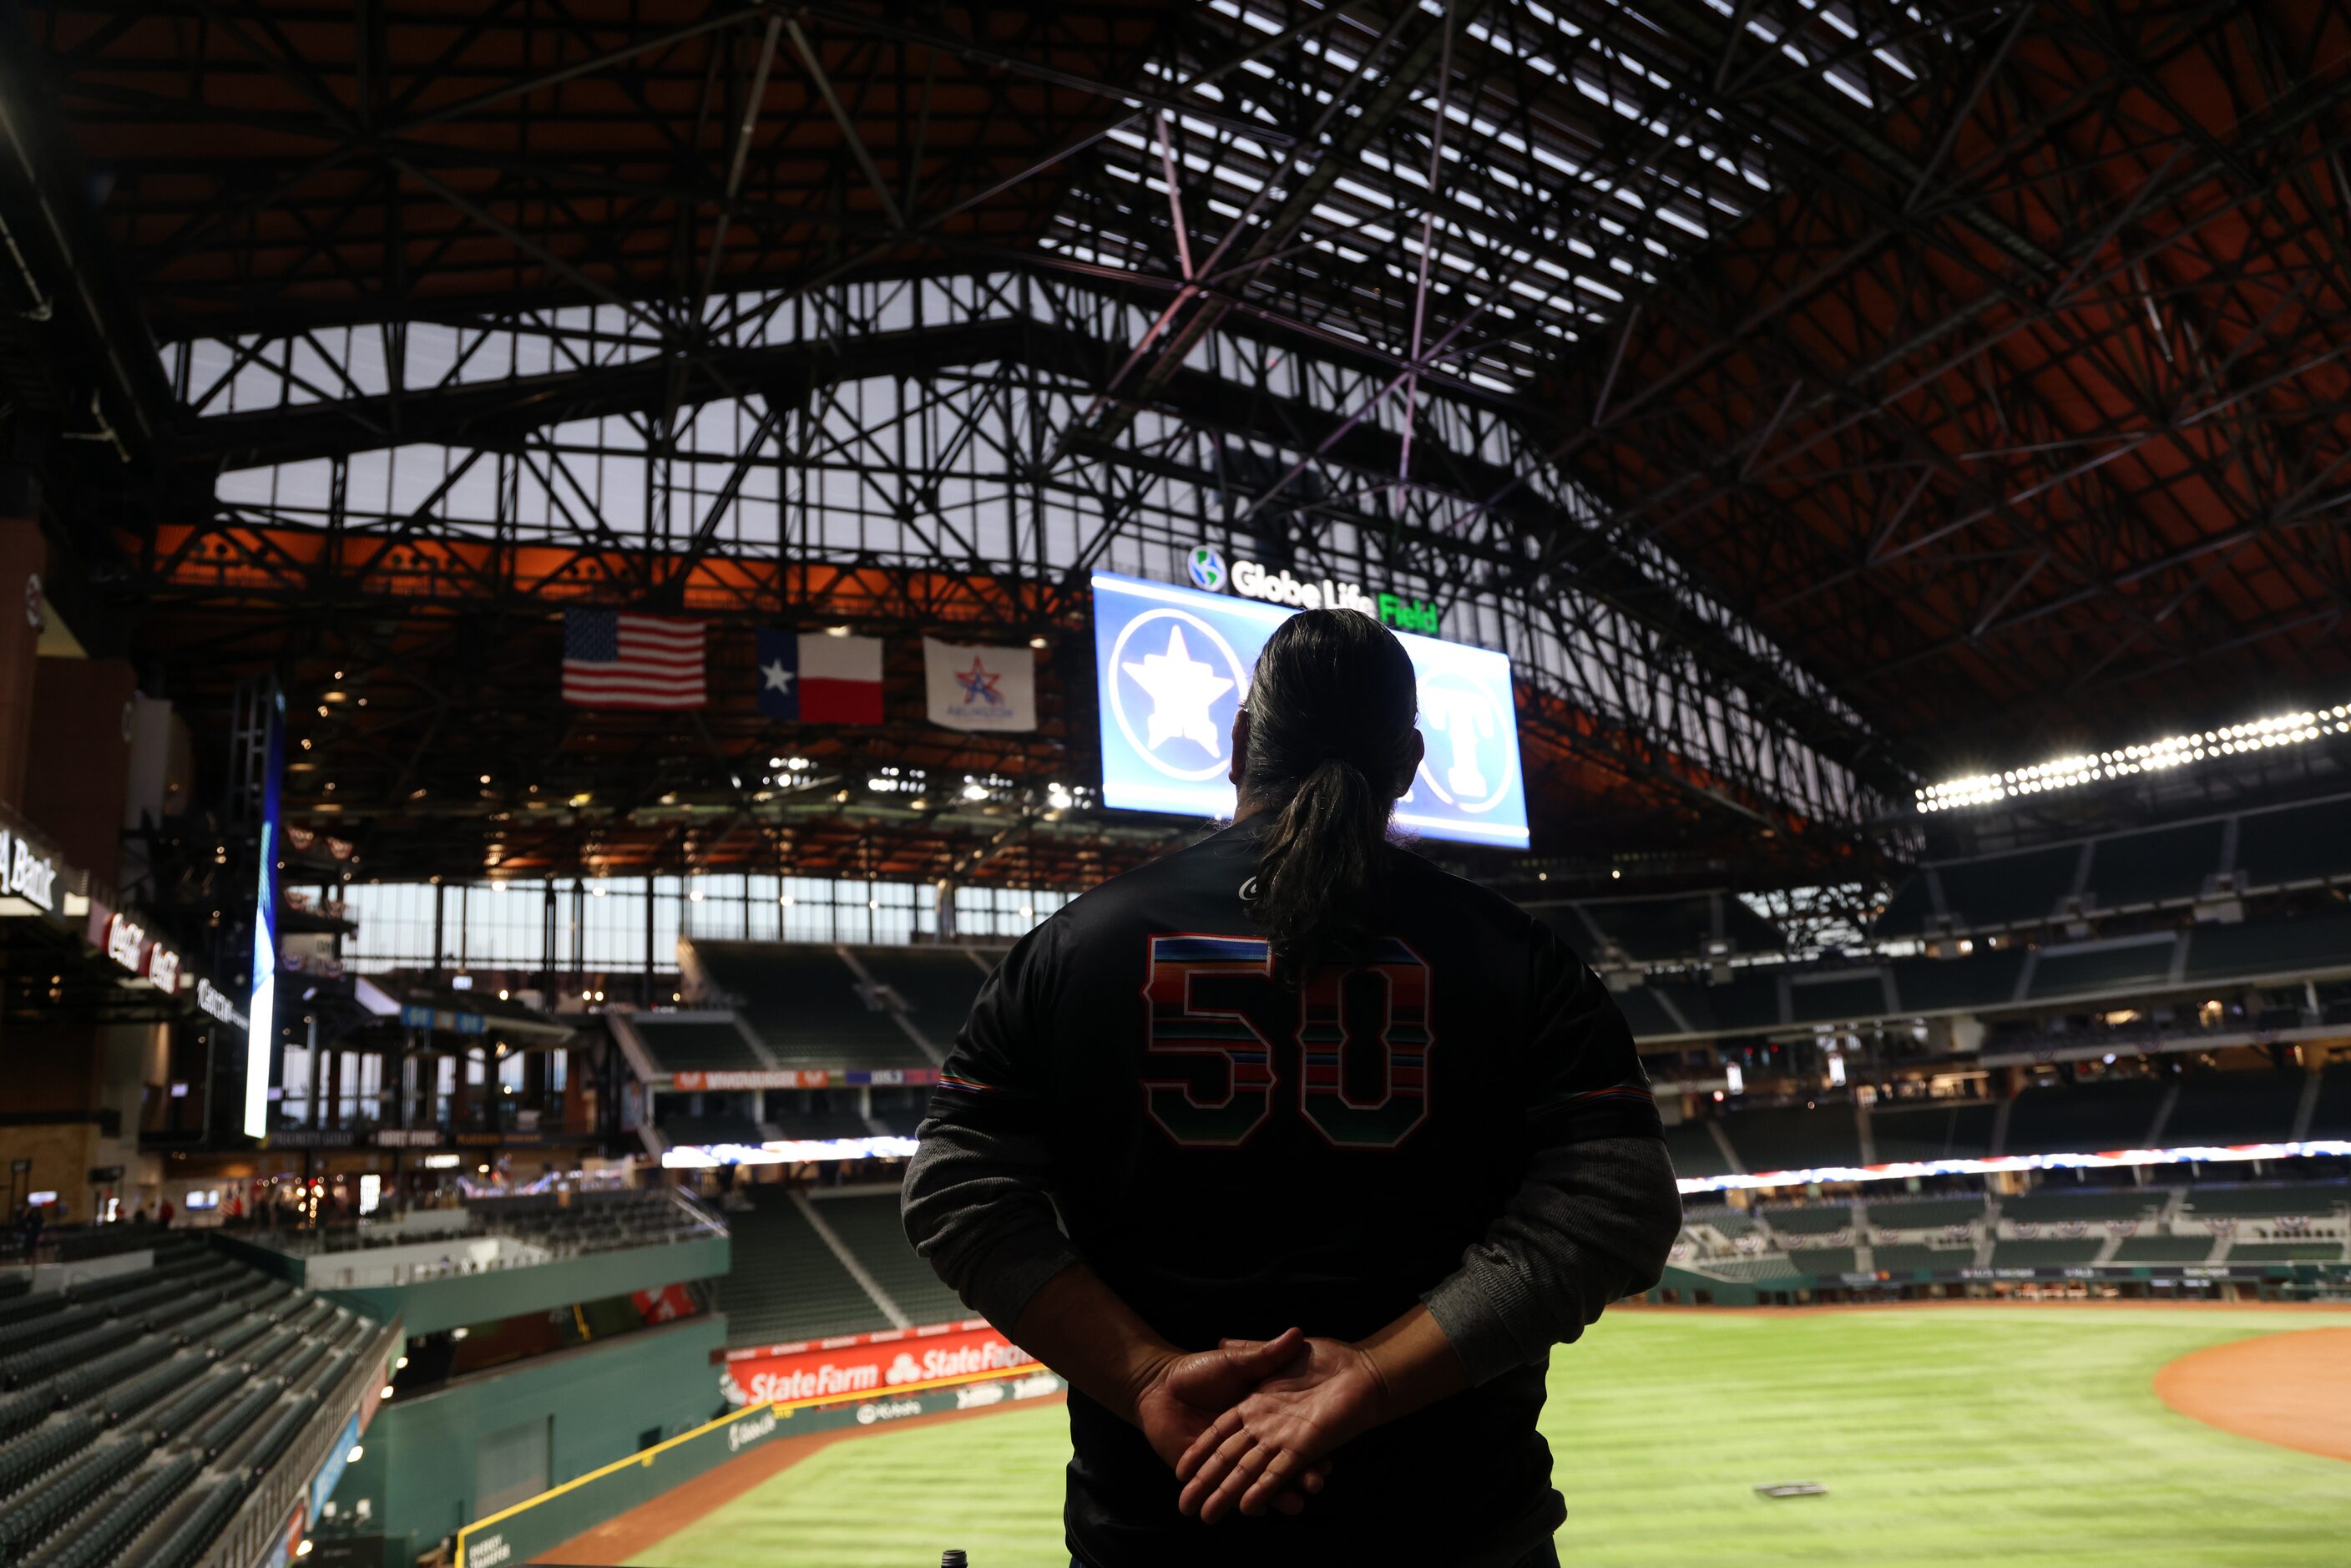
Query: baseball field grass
{"x": 2005, "y": 1434}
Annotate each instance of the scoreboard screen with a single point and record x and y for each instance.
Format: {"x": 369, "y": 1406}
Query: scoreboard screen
{"x": 1171, "y": 665}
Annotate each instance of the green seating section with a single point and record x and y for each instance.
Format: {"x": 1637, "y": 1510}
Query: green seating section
{"x": 1694, "y": 1151}
{"x": 1790, "y": 1137}
{"x": 2085, "y": 1117}
{"x": 2009, "y": 890}
{"x": 2297, "y": 843}
{"x": 1899, "y": 1258}
{"x": 869, "y": 1225}
{"x": 2311, "y": 1198}
{"x": 2286, "y": 1252}
{"x": 2331, "y": 1116}
{"x": 937, "y": 985}
{"x": 1982, "y": 979}
{"x": 2277, "y": 945}
{"x": 1906, "y": 913}
{"x": 1731, "y": 1222}
{"x": 2163, "y": 1249}
{"x": 1837, "y": 1000}
{"x": 166, "y": 1396}
{"x": 2045, "y": 1253}
{"x": 803, "y": 1002}
{"x": 1946, "y": 1130}
{"x": 2056, "y": 1205}
{"x": 1924, "y": 1213}
{"x": 2235, "y": 1108}
{"x": 784, "y": 1282}
{"x": 1644, "y": 1014}
{"x": 2161, "y": 865}
{"x": 1826, "y": 1260}
{"x": 695, "y": 1045}
{"x": 2062, "y": 972}
{"x": 1811, "y": 1219}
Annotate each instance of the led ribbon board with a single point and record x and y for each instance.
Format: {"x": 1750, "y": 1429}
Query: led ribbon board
{"x": 1173, "y": 665}
{"x": 261, "y": 1007}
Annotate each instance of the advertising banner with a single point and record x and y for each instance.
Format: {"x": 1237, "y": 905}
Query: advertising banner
{"x": 752, "y": 1078}
{"x": 863, "y": 1364}
{"x": 1173, "y": 665}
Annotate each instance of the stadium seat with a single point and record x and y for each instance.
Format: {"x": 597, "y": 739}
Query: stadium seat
{"x": 1905, "y": 1258}
{"x": 870, "y": 1225}
{"x": 2308, "y": 1199}
{"x": 1694, "y": 1151}
{"x": 2046, "y": 1253}
{"x": 2095, "y": 970}
{"x": 1983, "y": 979}
{"x": 2286, "y": 1252}
{"x": 2295, "y": 844}
{"x": 2254, "y": 1107}
{"x": 2330, "y": 1115}
{"x": 1749, "y": 1004}
{"x": 1924, "y": 1213}
{"x": 1645, "y": 1014}
{"x": 1907, "y": 912}
{"x": 2162, "y": 1249}
{"x": 784, "y": 1282}
{"x": 836, "y": 1121}
{"x": 1932, "y": 1130}
{"x": 1826, "y": 1260}
{"x": 1790, "y": 1137}
{"x": 2057, "y": 1205}
{"x": 1807, "y": 1219}
{"x": 2109, "y": 1113}
{"x": 1998, "y": 890}
{"x": 2277, "y": 945}
{"x": 937, "y": 985}
{"x": 695, "y": 1045}
{"x": 1837, "y": 1000}
{"x": 2159, "y": 866}
{"x": 804, "y": 1004}
{"x": 712, "y": 1128}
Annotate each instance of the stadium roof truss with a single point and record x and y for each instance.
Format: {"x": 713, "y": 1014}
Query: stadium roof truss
{"x": 1774, "y": 380}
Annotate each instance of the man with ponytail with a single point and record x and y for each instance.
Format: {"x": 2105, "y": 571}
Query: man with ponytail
{"x": 1297, "y": 1157}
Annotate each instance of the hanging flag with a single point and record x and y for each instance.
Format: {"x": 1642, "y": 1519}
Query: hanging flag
{"x": 779, "y": 674}
{"x": 980, "y": 688}
{"x": 614, "y": 659}
{"x": 840, "y": 679}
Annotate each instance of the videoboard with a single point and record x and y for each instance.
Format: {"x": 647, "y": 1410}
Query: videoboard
{"x": 1173, "y": 665}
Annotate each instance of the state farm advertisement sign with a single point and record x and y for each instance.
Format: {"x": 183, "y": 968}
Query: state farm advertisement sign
{"x": 866, "y": 1364}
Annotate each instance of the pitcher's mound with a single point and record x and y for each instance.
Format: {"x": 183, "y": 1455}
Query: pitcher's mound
{"x": 2291, "y": 1389}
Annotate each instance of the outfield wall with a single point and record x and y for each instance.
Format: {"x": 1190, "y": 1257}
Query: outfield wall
{"x": 429, "y": 1457}
{"x": 517, "y": 1534}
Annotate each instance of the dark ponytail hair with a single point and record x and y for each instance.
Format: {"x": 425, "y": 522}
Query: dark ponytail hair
{"x": 1332, "y": 710}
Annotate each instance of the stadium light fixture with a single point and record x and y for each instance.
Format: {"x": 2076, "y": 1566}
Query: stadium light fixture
{"x": 2171, "y": 751}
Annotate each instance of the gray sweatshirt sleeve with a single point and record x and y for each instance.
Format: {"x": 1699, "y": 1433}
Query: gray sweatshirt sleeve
{"x": 1591, "y": 1222}
{"x": 978, "y": 1204}
{"x": 1597, "y": 1208}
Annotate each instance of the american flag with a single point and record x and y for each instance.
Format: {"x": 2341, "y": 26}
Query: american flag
{"x": 616, "y": 660}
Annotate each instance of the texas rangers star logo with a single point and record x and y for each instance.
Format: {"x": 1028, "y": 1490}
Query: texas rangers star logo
{"x": 1174, "y": 683}
{"x": 979, "y": 683}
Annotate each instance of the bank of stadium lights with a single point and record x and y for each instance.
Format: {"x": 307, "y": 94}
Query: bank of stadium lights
{"x": 898, "y": 781}
{"x": 2172, "y": 751}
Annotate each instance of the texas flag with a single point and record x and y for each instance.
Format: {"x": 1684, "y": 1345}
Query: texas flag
{"x": 818, "y": 678}
{"x": 980, "y": 688}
